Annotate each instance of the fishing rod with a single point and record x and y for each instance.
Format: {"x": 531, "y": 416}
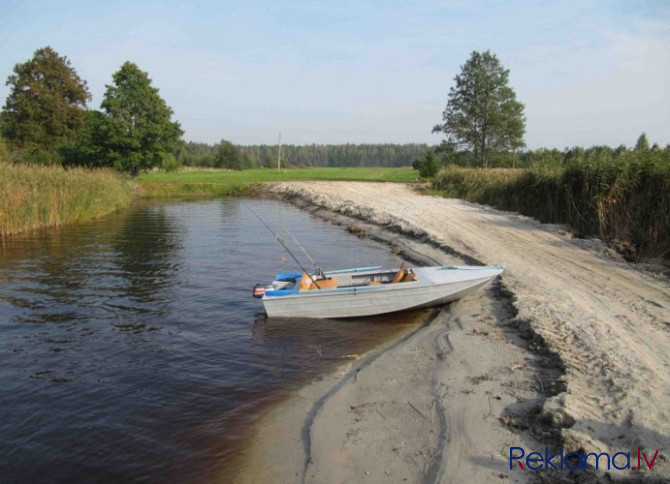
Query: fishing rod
{"x": 281, "y": 241}
{"x": 304, "y": 251}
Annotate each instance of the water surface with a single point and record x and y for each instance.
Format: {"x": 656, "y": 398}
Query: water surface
{"x": 132, "y": 350}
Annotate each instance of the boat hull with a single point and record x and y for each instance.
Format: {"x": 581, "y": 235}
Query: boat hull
{"x": 436, "y": 286}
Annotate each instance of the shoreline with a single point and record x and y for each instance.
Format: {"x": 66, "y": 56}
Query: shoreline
{"x": 329, "y": 431}
{"x": 508, "y": 411}
{"x": 531, "y": 391}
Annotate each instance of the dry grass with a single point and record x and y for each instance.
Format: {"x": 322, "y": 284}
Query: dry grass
{"x": 625, "y": 202}
{"x": 33, "y": 197}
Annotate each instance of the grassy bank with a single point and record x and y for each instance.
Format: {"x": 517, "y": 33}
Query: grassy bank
{"x": 626, "y": 203}
{"x": 45, "y": 196}
{"x": 216, "y": 183}
{"x": 33, "y": 196}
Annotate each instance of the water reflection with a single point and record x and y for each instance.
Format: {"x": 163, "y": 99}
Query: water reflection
{"x": 77, "y": 273}
{"x": 46, "y": 284}
{"x": 304, "y": 335}
{"x": 146, "y": 255}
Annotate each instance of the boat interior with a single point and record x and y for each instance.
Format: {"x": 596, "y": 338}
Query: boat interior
{"x": 353, "y": 278}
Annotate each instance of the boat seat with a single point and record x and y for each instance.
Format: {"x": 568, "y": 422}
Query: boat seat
{"x": 326, "y": 284}
{"x": 400, "y": 274}
{"x": 307, "y": 284}
{"x": 409, "y": 277}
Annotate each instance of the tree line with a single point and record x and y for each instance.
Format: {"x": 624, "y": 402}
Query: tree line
{"x": 433, "y": 160}
{"x": 46, "y": 119}
{"x": 229, "y": 156}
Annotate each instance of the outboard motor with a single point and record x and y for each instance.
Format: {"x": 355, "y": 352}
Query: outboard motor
{"x": 258, "y": 291}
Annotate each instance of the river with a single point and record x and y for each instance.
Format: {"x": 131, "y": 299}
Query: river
{"x": 132, "y": 350}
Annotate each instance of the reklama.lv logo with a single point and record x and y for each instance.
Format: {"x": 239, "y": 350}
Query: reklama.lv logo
{"x": 536, "y": 461}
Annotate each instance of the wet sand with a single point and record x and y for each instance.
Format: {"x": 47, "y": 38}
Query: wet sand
{"x": 570, "y": 349}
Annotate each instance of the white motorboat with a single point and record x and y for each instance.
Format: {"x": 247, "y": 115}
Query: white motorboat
{"x": 368, "y": 291}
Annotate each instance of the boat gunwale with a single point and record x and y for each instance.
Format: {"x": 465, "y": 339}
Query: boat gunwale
{"x": 294, "y": 293}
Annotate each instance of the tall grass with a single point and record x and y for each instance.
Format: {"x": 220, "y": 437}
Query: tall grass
{"x": 626, "y": 202}
{"x": 33, "y": 196}
{"x": 174, "y": 189}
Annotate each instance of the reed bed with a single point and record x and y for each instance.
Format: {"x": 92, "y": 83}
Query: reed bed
{"x": 626, "y": 203}
{"x": 154, "y": 189}
{"x": 33, "y": 197}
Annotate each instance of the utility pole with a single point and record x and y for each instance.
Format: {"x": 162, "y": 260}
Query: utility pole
{"x": 279, "y": 155}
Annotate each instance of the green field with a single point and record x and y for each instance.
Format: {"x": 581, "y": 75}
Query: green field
{"x": 212, "y": 183}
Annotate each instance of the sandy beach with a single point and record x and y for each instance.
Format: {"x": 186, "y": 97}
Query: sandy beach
{"x": 571, "y": 349}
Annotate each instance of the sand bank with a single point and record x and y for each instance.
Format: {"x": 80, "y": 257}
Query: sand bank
{"x": 571, "y": 349}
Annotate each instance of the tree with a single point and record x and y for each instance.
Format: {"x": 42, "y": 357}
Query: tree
{"x": 141, "y": 133}
{"x": 427, "y": 165}
{"x": 642, "y": 143}
{"x": 89, "y": 147}
{"x": 230, "y": 156}
{"x": 46, "y": 104}
{"x": 482, "y": 113}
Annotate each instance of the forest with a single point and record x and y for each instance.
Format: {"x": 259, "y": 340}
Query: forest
{"x": 226, "y": 155}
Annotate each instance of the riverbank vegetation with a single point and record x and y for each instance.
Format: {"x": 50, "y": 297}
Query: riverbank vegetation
{"x": 33, "y": 197}
{"x": 194, "y": 183}
{"x": 621, "y": 196}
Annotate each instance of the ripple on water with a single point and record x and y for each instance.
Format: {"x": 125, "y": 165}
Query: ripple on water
{"x": 132, "y": 350}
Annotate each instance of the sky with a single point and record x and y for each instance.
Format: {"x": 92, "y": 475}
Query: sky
{"x": 588, "y": 72}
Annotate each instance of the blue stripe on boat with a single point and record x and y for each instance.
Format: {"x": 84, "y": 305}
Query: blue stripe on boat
{"x": 288, "y": 275}
{"x": 281, "y": 292}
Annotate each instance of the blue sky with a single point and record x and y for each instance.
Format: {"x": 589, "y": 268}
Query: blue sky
{"x": 589, "y": 72}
